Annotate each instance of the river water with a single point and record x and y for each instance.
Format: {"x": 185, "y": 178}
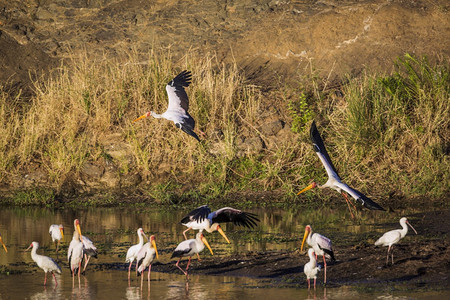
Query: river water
{"x": 114, "y": 230}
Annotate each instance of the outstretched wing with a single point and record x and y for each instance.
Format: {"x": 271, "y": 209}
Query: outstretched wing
{"x": 238, "y": 217}
{"x": 178, "y": 99}
{"x": 366, "y": 201}
{"x": 199, "y": 214}
{"x": 321, "y": 151}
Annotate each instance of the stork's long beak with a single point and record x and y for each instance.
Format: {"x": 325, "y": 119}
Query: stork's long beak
{"x": 3, "y": 244}
{"x": 411, "y": 226}
{"x": 146, "y": 237}
{"x": 79, "y": 232}
{"x": 62, "y": 232}
{"x": 311, "y": 186}
{"x": 219, "y": 229}
{"x": 304, "y": 239}
{"x": 141, "y": 117}
{"x": 31, "y": 245}
{"x": 156, "y": 249}
{"x": 207, "y": 245}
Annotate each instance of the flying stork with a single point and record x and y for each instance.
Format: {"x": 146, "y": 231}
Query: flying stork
{"x": 44, "y": 262}
{"x": 321, "y": 246}
{"x": 334, "y": 181}
{"x": 177, "y": 111}
{"x": 393, "y": 237}
{"x": 202, "y": 218}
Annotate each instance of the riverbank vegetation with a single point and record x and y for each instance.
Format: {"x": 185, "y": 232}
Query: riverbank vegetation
{"x": 387, "y": 134}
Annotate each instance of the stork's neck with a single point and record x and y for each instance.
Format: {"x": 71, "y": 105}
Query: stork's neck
{"x": 211, "y": 227}
{"x": 141, "y": 238}
{"x": 33, "y": 251}
{"x": 155, "y": 115}
{"x": 404, "y": 229}
{"x": 312, "y": 258}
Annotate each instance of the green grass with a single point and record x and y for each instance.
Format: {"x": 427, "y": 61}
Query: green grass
{"x": 386, "y": 133}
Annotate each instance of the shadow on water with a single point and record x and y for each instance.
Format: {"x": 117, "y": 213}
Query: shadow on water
{"x": 114, "y": 230}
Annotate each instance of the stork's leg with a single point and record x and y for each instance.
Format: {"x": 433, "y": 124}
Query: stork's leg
{"x": 79, "y": 270}
{"x": 184, "y": 233}
{"x": 129, "y": 270}
{"x": 45, "y": 280}
{"x": 136, "y": 267}
{"x": 142, "y": 279}
{"x": 325, "y": 266}
{"x": 180, "y": 267}
{"x": 387, "y": 257}
{"x": 309, "y": 284}
{"x": 348, "y": 204}
{"x": 56, "y": 282}
{"x": 314, "y": 283}
{"x": 57, "y": 246}
{"x": 189, "y": 262}
{"x": 198, "y": 257}
{"x": 87, "y": 261}
{"x": 392, "y": 255}
{"x": 149, "y": 271}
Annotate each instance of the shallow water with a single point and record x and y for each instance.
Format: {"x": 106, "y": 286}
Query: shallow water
{"x": 114, "y": 230}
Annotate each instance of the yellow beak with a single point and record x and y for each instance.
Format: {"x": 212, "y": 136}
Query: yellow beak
{"x": 3, "y": 244}
{"x": 312, "y": 185}
{"x": 79, "y": 232}
{"x": 62, "y": 232}
{"x": 156, "y": 249}
{"x": 207, "y": 245}
{"x": 141, "y": 117}
{"x": 304, "y": 239}
{"x": 219, "y": 229}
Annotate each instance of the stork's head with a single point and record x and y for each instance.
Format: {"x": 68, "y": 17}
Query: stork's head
{"x": 152, "y": 240}
{"x": 307, "y": 232}
{"x": 147, "y": 114}
{"x": 311, "y": 186}
{"x": 33, "y": 245}
{"x": 216, "y": 227}
{"x": 405, "y": 220}
{"x": 76, "y": 224}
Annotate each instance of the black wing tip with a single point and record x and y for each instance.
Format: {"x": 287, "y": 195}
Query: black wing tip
{"x": 178, "y": 253}
{"x": 182, "y": 79}
{"x": 369, "y": 203}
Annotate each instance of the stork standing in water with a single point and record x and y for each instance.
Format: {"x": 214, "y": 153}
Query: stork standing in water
{"x": 189, "y": 248}
{"x": 89, "y": 250}
{"x": 321, "y": 246}
{"x": 177, "y": 111}
{"x": 44, "y": 262}
{"x": 311, "y": 269}
{"x": 57, "y": 234}
{"x": 3, "y": 244}
{"x": 75, "y": 251}
{"x": 202, "y": 218}
{"x": 134, "y": 250}
{"x": 334, "y": 181}
{"x": 393, "y": 237}
{"x": 145, "y": 257}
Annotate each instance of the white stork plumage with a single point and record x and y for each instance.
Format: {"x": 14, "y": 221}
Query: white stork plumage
{"x": 394, "y": 236}
{"x": 334, "y": 181}
{"x": 89, "y": 250}
{"x": 311, "y": 269}
{"x": 177, "y": 110}
{"x": 321, "y": 246}
{"x": 202, "y": 218}
{"x": 189, "y": 248}
{"x": 3, "y": 244}
{"x": 145, "y": 257}
{"x": 75, "y": 251}
{"x": 57, "y": 234}
{"x": 134, "y": 250}
{"x": 44, "y": 262}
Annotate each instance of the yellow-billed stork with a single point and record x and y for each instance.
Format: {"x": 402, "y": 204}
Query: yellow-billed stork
{"x": 177, "y": 110}
{"x": 44, "y": 262}
{"x": 134, "y": 250}
{"x": 321, "y": 246}
{"x": 311, "y": 269}
{"x": 75, "y": 251}
{"x": 394, "y": 236}
{"x": 334, "y": 181}
{"x": 189, "y": 248}
{"x": 57, "y": 234}
{"x": 145, "y": 257}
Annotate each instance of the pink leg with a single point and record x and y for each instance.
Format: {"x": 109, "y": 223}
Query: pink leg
{"x": 136, "y": 267}
{"x": 87, "y": 261}
{"x": 309, "y": 284}
{"x": 142, "y": 279}
{"x": 149, "y": 271}
{"x": 56, "y": 282}
{"x": 180, "y": 267}
{"x": 198, "y": 257}
{"x": 45, "y": 280}
{"x": 129, "y": 270}
{"x": 79, "y": 270}
{"x": 387, "y": 257}
{"x": 325, "y": 266}
{"x": 314, "y": 282}
{"x": 184, "y": 232}
{"x": 392, "y": 255}
{"x": 348, "y": 203}
{"x": 189, "y": 262}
